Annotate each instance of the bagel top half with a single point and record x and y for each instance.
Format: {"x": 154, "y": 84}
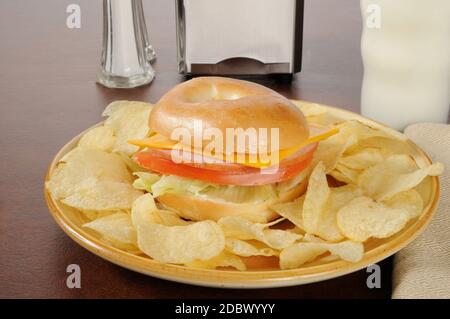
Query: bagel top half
{"x": 223, "y": 103}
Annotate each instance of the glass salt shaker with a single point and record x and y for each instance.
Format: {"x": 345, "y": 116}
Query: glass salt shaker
{"x": 127, "y": 54}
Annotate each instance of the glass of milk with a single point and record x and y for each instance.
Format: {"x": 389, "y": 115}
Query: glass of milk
{"x": 405, "y": 48}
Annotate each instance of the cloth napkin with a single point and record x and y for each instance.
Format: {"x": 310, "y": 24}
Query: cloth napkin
{"x": 422, "y": 269}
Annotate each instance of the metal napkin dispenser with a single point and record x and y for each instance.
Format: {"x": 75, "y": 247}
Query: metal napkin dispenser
{"x": 239, "y": 37}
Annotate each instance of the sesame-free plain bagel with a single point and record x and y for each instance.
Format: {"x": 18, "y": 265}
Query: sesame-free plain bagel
{"x": 228, "y": 103}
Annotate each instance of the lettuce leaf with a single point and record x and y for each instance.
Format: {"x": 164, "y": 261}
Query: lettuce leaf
{"x": 145, "y": 181}
{"x": 163, "y": 184}
{"x": 177, "y": 185}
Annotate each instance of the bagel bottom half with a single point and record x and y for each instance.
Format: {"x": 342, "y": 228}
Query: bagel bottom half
{"x": 200, "y": 208}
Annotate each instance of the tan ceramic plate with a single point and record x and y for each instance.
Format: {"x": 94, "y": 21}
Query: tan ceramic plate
{"x": 70, "y": 220}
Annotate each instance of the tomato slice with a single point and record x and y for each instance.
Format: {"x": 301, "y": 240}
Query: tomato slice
{"x": 212, "y": 164}
{"x": 160, "y": 161}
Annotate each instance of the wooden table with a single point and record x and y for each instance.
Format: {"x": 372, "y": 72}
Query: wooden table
{"x": 48, "y": 95}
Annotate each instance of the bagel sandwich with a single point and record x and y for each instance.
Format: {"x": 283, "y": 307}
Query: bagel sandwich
{"x": 224, "y": 147}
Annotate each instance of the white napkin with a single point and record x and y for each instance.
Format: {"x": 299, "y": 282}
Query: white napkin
{"x": 422, "y": 269}
{"x": 237, "y": 28}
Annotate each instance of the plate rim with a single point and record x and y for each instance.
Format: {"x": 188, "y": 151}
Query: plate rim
{"x": 250, "y": 278}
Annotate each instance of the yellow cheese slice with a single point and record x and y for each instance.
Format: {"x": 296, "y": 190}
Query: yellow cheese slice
{"x": 316, "y": 134}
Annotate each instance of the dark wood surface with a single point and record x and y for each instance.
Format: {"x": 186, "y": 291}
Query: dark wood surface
{"x": 48, "y": 95}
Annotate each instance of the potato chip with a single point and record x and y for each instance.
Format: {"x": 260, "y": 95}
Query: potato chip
{"x": 116, "y": 228}
{"x": 224, "y": 260}
{"x": 398, "y": 163}
{"x": 345, "y": 174}
{"x": 86, "y": 164}
{"x": 351, "y": 250}
{"x": 279, "y": 239}
{"x": 310, "y": 238}
{"x": 363, "y": 218}
{"x": 396, "y": 174}
{"x": 347, "y": 250}
{"x": 94, "y": 194}
{"x": 145, "y": 211}
{"x": 132, "y": 165}
{"x": 181, "y": 244}
{"x": 142, "y": 210}
{"x": 327, "y": 226}
{"x": 396, "y": 146}
{"x": 99, "y": 138}
{"x": 94, "y": 214}
{"x": 301, "y": 253}
{"x": 333, "y": 148}
{"x": 91, "y": 179}
{"x": 169, "y": 218}
{"x": 245, "y": 249}
{"x": 310, "y": 109}
{"x": 293, "y": 211}
{"x": 363, "y": 131}
{"x": 315, "y": 199}
{"x": 241, "y": 228}
{"x": 167, "y": 238}
{"x": 339, "y": 197}
{"x": 348, "y": 142}
{"x": 409, "y": 200}
{"x": 129, "y": 121}
{"x": 342, "y": 195}
{"x": 291, "y": 183}
{"x": 323, "y": 206}
{"x": 297, "y": 230}
{"x": 364, "y": 158}
{"x": 328, "y": 259}
{"x": 238, "y": 227}
{"x": 338, "y": 176}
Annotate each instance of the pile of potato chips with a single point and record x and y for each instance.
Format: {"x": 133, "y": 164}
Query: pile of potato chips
{"x": 362, "y": 185}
